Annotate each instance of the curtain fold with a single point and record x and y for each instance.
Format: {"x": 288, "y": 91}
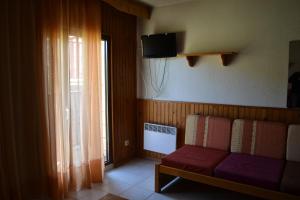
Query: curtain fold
{"x": 50, "y": 133}
{"x": 71, "y": 38}
{"x": 23, "y": 173}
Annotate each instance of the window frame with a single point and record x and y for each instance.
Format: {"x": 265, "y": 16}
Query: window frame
{"x": 108, "y": 77}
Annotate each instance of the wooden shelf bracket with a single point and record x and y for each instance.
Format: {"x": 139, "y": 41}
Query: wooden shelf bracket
{"x": 192, "y": 60}
{"x": 227, "y": 58}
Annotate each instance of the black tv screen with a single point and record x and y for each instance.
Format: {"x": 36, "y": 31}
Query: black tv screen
{"x": 159, "y": 45}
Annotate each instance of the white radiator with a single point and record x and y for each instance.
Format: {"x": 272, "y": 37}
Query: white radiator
{"x": 160, "y": 138}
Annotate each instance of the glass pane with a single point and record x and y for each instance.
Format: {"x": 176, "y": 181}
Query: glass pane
{"x": 104, "y": 91}
{"x": 75, "y": 88}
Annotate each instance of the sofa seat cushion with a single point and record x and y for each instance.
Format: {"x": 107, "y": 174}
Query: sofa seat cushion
{"x": 195, "y": 159}
{"x": 291, "y": 178}
{"x": 253, "y": 170}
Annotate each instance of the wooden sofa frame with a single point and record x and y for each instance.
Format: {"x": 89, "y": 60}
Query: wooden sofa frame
{"x": 164, "y": 174}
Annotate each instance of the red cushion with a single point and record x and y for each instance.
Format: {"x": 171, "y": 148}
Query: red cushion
{"x": 195, "y": 159}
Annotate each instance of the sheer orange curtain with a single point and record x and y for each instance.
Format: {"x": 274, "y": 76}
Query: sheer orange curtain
{"x": 50, "y": 133}
{"x": 71, "y": 39}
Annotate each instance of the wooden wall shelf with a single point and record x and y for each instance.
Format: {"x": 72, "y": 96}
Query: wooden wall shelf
{"x": 192, "y": 58}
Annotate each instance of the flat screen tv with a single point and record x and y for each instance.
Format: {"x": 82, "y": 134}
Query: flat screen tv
{"x": 159, "y": 45}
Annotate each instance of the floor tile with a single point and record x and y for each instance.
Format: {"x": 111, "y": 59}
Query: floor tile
{"x": 94, "y": 194}
{"x": 115, "y": 187}
{"x": 77, "y": 195}
{"x": 124, "y": 176}
{"x": 136, "y": 193}
{"x": 87, "y": 194}
{"x": 147, "y": 183}
{"x": 157, "y": 196}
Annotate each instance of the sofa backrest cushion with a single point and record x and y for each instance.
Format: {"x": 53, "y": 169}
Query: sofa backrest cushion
{"x": 208, "y": 131}
{"x": 259, "y": 138}
{"x": 293, "y": 143}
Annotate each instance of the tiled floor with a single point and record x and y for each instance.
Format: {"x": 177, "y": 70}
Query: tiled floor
{"x": 135, "y": 181}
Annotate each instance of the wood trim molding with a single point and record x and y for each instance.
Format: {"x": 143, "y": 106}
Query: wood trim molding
{"x": 131, "y": 7}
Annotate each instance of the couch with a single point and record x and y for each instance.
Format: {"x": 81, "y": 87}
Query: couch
{"x": 258, "y": 158}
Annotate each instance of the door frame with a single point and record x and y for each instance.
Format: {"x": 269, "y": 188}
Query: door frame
{"x": 109, "y": 99}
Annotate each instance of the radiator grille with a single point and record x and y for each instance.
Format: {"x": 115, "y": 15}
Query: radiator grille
{"x": 160, "y": 138}
{"x": 160, "y": 129}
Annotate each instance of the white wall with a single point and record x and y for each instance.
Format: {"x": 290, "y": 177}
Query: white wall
{"x": 260, "y": 30}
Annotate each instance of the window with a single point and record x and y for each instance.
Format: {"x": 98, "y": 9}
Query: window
{"x": 75, "y": 89}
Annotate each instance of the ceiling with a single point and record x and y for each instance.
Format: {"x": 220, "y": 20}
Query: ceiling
{"x": 160, "y": 3}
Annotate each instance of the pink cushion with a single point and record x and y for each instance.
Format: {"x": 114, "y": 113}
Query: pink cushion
{"x": 211, "y": 132}
{"x": 270, "y": 139}
{"x": 259, "y": 138}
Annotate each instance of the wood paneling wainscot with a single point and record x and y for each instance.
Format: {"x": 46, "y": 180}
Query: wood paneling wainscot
{"x": 174, "y": 114}
{"x": 121, "y": 29}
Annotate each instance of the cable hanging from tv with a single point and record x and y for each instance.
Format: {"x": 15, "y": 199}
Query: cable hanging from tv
{"x": 158, "y": 46}
{"x": 157, "y": 82}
